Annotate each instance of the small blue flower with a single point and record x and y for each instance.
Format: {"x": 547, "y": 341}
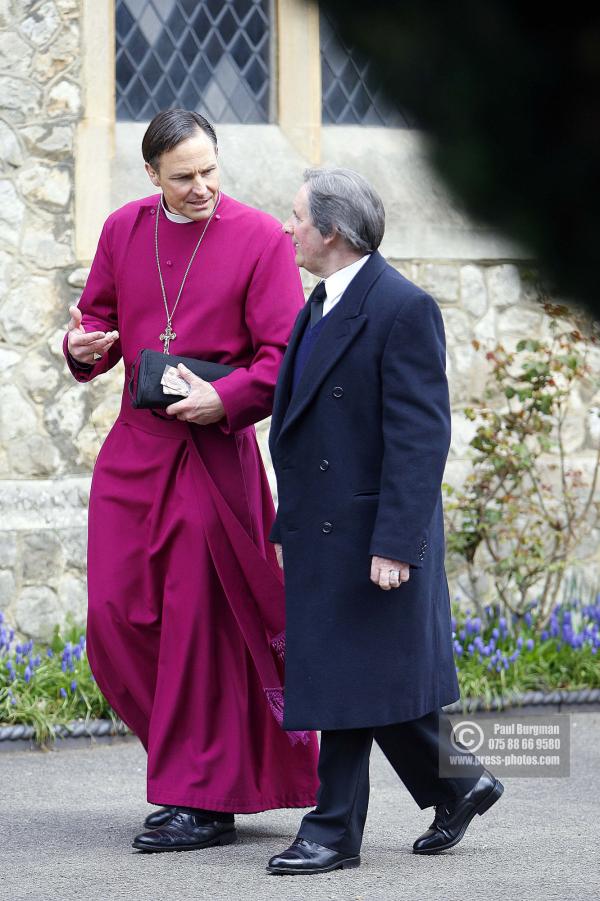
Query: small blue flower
{"x": 519, "y": 642}
{"x": 27, "y": 674}
{"x": 530, "y": 644}
{"x": 49, "y": 652}
{"x": 528, "y": 619}
{"x": 63, "y": 693}
{"x": 496, "y": 632}
{"x": 73, "y": 685}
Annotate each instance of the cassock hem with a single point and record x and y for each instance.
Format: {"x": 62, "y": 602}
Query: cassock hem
{"x": 164, "y": 798}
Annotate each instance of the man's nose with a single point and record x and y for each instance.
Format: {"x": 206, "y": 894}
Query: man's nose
{"x": 288, "y": 227}
{"x": 199, "y": 185}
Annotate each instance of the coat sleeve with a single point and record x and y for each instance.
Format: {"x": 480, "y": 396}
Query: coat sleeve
{"x": 98, "y": 303}
{"x": 416, "y": 431}
{"x": 273, "y": 299}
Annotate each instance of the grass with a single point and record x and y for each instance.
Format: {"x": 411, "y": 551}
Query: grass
{"x": 49, "y": 686}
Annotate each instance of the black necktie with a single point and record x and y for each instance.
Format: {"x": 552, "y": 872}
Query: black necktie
{"x": 317, "y": 299}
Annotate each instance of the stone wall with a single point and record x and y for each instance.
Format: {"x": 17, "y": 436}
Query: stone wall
{"x": 42, "y": 414}
{"x": 50, "y": 427}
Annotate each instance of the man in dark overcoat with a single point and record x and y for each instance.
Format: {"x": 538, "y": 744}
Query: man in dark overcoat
{"x": 359, "y": 438}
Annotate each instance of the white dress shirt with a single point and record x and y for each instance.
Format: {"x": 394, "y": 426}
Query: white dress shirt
{"x": 337, "y": 283}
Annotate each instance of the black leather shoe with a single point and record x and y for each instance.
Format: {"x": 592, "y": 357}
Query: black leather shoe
{"x": 186, "y": 832}
{"x": 304, "y": 857}
{"x": 159, "y": 817}
{"x": 453, "y": 817}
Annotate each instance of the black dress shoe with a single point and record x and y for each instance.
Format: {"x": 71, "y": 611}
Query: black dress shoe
{"x": 453, "y": 817}
{"x": 186, "y": 832}
{"x": 159, "y": 817}
{"x": 304, "y": 857}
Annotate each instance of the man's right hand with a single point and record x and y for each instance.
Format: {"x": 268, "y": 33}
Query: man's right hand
{"x": 83, "y": 345}
{"x": 279, "y": 552}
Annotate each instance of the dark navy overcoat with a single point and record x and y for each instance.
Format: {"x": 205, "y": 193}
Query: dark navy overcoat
{"x": 359, "y": 449}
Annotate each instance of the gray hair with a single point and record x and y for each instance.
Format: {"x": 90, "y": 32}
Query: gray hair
{"x": 342, "y": 201}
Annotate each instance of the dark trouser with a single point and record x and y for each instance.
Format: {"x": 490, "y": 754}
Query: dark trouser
{"x": 413, "y": 748}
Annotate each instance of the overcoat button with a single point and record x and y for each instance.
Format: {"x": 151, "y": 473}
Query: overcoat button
{"x": 326, "y": 528}
{"x": 324, "y": 465}
{"x": 337, "y": 391}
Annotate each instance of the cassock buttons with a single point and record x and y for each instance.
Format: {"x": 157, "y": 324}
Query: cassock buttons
{"x": 152, "y": 211}
{"x": 324, "y": 465}
{"x": 326, "y": 528}
{"x": 337, "y": 391}
{"x": 169, "y": 262}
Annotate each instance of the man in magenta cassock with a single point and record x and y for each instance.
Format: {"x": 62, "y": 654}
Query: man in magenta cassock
{"x": 186, "y": 607}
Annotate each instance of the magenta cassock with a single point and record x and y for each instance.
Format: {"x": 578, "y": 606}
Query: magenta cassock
{"x": 185, "y": 595}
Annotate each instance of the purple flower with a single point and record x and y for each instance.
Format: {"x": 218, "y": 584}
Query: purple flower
{"x": 462, "y": 634}
{"x": 530, "y": 644}
{"x": 49, "y": 652}
{"x": 528, "y": 619}
{"x": 27, "y": 674}
{"x": 496, "y": 632}
{"x": 519, "y": 642}
{"x": 544, "y": 635}
{"x": 73, "y": 685}
{"x": 458, "y": 649}
{"x": 63, "y": 693}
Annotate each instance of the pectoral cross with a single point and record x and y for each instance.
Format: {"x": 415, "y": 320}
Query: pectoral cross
{"x": 167, "y": 336}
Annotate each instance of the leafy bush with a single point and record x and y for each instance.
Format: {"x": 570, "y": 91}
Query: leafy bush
{"x": 524, "y": 508}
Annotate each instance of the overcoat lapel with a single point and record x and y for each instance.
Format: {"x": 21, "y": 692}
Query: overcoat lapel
{"x": 339, "y": 331}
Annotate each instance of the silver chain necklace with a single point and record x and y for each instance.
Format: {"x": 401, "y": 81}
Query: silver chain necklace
{"x": 169, "y": 335}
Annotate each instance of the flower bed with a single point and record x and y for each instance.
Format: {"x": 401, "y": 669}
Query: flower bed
{"x": 52, "y": 686}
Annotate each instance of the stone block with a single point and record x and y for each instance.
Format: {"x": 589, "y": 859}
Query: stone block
{"x": 35, "y": 456}
{"x": 72, "y": 595}
{"x": 79, "y": 277}
{"x": 69, "y": 413}
{"x": 440, "y": 280}
{"x": 23, "y": 98}
{"x": 7, "y": 589}
{"x": 60, "y": 55}
{"x": 473, "y": 291}
{"x": 8, "y": 549}
{"x": 43, "y": 250}
{"x": 29, "y": 311}
{"x": 11, "y": 154}
{"x": 37, "y": 612}
{"x": 74, "y": 545}
{"x": 17, "y": 417}
{"x": 519, "y": 321}
{"x": 57, "y": 141}
{"x": 45, "y": 504}
{"x": 64, "y": 99}
{"x": 12, "y": 210}
{"x": 15, "y": 55}
{"x": 485, "y": 329}
{"x": 46, "y": 185}
{"x": 41, "y": 554}
{"x": 40, "y": 376}
{"x": 504, "y": 285}
{"x": 42, "y": 25}
{"x": 458, "y": 327}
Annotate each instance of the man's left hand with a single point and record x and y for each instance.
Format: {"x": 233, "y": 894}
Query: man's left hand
{"x": 202, "y": 405}
{"x": 387, "y": 573}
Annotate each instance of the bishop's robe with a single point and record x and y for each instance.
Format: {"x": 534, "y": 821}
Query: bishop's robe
{"x": 180, "y": 571}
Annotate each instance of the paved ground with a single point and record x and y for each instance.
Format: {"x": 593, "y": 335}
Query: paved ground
{"x": 68, "y": 817}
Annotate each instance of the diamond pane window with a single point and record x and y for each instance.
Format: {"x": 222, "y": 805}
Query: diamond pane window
{"x": 212, "y": 56}
{"x": 352, "y": 92}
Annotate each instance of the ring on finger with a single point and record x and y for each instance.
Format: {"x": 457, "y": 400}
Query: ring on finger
{"x": 97, "y": 356}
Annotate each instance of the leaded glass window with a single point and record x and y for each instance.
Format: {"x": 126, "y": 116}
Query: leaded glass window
{"x": 212, "y": 56}
{"x": 352, "y": 92}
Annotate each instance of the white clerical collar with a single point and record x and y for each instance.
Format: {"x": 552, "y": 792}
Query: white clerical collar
{"x": 174, "y": 217}
{"x": 337, "y": 282}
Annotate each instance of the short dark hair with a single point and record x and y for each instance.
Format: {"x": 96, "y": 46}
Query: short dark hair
{"x": 169, "y": 128}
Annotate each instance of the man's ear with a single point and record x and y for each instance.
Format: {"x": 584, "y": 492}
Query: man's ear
{"x": 152, "y": 175}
